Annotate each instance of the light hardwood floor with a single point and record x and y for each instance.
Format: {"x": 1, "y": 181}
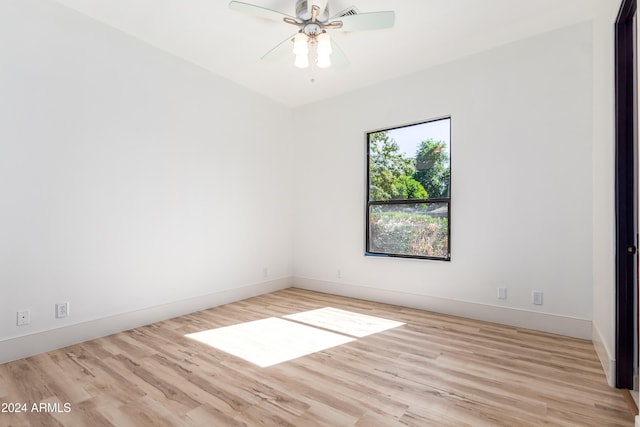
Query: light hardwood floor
{"x": 435, "y": 370}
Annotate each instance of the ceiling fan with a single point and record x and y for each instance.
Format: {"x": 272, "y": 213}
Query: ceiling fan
{"x": 313, "y": 19}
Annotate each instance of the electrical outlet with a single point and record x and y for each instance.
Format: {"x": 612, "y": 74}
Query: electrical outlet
{"x": 502, "y": 293}
{"x": 339, "y": 274}
{"x": 536, "y": 298}
{"x": 265, "y": 272}
{"x": 24, "y": 317}
{"x": 62, "y": 310}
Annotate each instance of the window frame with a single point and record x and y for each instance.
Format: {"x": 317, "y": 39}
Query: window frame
{"x": 369, "y": 203}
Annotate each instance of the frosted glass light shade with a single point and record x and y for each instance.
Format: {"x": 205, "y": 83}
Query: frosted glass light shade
{"x": 302, "y": 61}
{"x": 323, "y": 60}
{"x": 324, "y": 44}
{"x": 300, "y": 44}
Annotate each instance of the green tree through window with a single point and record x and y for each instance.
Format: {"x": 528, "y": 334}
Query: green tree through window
{"x": 408, "y": 204}
{"x": 433, "y": 170}
{"x": 391, "y": 173}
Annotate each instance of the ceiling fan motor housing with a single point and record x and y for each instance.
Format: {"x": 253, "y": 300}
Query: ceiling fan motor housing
{"x": 304, "y": 13}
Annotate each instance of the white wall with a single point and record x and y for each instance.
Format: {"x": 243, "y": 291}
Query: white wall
{"x": 604, "y": 185}
{"x": 522, "y": 183}
{"x": 128, "y": 178}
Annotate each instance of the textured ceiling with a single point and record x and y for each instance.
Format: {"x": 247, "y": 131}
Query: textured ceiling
{"x": 426, "y": 33}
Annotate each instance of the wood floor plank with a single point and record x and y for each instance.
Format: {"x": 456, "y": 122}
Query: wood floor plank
{"x": 436, "y": 370}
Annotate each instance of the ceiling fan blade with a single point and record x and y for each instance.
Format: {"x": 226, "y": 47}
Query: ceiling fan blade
{"x": 258, "y": 11}
{"x": 367, "y": 21}
{"x": 339, "y": 60}
{"x": 281, "y": 50}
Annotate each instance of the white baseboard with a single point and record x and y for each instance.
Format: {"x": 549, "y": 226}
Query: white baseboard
{"x": 605, "y": 356}
{"x": 637, "y": 421}
{"x": 557, "y": 324}
{"x": 40, "y": 342}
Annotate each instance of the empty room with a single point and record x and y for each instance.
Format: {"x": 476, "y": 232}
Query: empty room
{"x": 318, "y": 213}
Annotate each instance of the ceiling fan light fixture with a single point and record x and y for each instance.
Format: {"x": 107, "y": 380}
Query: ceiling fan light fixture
{"x": 313, "y": 19}
{"x": 301, "y": 50}
{"x": 324, "y": 61}
{"x": 302, "y": 61}
{"x": 324, "y": 44}
{"x": 300, "y": 44}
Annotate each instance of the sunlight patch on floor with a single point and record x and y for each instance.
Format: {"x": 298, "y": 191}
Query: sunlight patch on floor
{"x": 269, "y": 341}
{"x": 345, "y": 322}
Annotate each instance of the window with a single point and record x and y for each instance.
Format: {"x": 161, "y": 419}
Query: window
{"x": 409, "y": 191}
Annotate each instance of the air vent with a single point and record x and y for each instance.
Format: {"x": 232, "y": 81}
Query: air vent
{"x": 348, "y": 12}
